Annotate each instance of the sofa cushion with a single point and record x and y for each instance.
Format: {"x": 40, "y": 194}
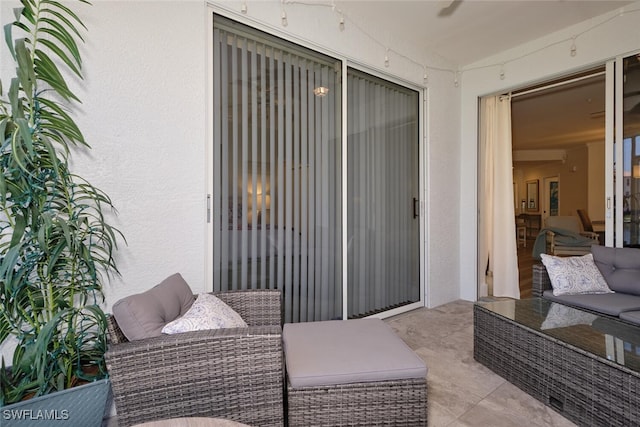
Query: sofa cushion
{"x": 144, "y": 315}
{"x": 347, "y": 351}
{"x": 207, "y": 312}
{"x": 611, "y": 304}
{"x": 574, "y": 275}
{"x": 620, "y": 268}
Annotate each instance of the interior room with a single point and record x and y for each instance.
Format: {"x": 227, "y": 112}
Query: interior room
{"x": 553, "y": 150}
{"x": 332, "y": 150}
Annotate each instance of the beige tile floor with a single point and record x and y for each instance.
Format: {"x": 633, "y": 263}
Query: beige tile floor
{"x": 461, "y": 391}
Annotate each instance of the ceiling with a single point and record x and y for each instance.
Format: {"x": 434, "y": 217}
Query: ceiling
{"x": 560, "y": 117}
{"x": 469, "y": 30}
{"x": 465, "y": 31}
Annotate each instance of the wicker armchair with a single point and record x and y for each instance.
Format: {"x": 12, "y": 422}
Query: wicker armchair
{"x": 236, "y": 374}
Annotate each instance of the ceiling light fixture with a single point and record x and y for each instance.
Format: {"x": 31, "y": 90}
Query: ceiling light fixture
{"x": 573, "y": 49}
{"x": 321, "y": 91}
{"x": 386, "y": 58}
{"x": 341, "y": 25}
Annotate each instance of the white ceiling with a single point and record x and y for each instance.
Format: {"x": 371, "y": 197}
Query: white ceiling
{"x": 465, "y": 31}
{"x": 469, "y": 30}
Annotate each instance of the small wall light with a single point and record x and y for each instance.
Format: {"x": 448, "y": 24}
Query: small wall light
{"x": 321, "y": 91}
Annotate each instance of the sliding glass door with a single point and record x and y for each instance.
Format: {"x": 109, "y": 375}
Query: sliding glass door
{"x": 277, "y": 160}
{"x": 383, "y": 219}
{"x": 623, "y": 150}
{"x": 282, "y": 214}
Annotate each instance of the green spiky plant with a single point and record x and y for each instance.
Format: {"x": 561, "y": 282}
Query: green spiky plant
{"x": 56, "y": 248}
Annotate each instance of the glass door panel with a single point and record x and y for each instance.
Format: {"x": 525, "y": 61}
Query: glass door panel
{"x": 631, "y": 151}
{"x": 383, "y": 223}
{"x": 277, "y": 190}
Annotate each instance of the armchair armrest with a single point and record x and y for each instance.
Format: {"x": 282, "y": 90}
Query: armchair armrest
{"x": 541, "y": 281}
{"x": 590, "y": 234}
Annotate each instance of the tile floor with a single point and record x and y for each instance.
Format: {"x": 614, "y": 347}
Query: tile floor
{"x": 461, "y": 391}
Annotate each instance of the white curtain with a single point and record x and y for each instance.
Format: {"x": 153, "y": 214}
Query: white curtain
{"x": 497, "y": 235}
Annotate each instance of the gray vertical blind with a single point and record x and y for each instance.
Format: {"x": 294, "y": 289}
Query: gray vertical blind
{"x": 383, "y": 135}
{"x": 277, "y": 181}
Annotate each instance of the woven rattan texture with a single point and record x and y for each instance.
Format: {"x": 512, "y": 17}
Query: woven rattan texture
{"x": 588, "y": 390}
{"x": 397, "y": 403}
{"x": 540, "y": 281}
{"x": 235, "y": 374}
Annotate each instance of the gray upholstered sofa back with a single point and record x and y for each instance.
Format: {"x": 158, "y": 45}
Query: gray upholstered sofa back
{"x": 620, "y": 268}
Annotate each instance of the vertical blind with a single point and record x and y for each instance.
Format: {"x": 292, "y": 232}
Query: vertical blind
{"x": 277, "y": 198}
{"x": 382, "y": 170}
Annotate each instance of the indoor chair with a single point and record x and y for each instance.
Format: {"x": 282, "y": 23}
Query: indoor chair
{"x": 564, "y": 236}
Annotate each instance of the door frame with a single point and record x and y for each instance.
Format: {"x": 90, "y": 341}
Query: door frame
{"x": 546, "y": 207}
{"x": 209, "y": 240}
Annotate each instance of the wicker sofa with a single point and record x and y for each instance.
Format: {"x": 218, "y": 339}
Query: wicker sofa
{"x": 236, "y": 374}
{"x": 620, "y": 268}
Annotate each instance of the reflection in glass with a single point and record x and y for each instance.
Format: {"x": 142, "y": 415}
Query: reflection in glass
{"x": 631, "y": 151}
{"x": 277, "y": 183}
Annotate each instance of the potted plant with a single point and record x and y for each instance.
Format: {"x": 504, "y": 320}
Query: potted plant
{"x": 56, "y": 248}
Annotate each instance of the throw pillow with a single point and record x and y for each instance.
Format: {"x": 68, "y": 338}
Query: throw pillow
{"x": 207, "y": 312}
{"x": 144, "y": 315}
{"x": 574, "y": 275}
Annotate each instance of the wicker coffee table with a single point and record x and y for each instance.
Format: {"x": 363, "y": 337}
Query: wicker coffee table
{"x": 584, "y": 366}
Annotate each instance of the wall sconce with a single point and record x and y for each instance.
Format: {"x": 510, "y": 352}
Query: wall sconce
{"x": 321, "y": 91}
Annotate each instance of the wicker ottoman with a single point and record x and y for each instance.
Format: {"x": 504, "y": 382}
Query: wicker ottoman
{"x": 352, "y": 372}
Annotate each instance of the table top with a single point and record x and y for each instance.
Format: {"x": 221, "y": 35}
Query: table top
{"x": 602, "y": 336}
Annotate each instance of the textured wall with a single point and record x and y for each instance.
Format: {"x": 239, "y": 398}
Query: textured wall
{"x": 144, "y": 113}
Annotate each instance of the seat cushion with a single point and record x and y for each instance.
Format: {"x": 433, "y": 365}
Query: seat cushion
{"x": 144, "y": 315}
{"x": 620, "y": 268}
{"x": 347, "y": 351}
{"x": 611, "y": 304}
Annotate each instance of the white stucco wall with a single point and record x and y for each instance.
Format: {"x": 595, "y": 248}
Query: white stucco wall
{"x": 144, "y": 113}
{"x": 597, "y": 41}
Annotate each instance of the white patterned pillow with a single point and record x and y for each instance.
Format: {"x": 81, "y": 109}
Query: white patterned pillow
{"x": 207, "y": 312}
{"x": 574, "y": 275}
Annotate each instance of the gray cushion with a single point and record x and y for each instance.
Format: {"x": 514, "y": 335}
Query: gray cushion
{"x": 620, "y": 268}
{"x": 611, "y": 304}
{"x": 347, "y": 351}
{"x": 144, "y": 315}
